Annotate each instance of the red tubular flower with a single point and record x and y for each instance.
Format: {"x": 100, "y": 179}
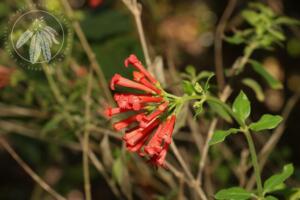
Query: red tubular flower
{"x": 153, "y": 123}
{"x": 137, "y": 135}
{"x": 135, "y": 101}
{"x": 119, "y": 80}
{"x": 139, "y": 77}
{"x": 126, "y": 122}
{"x": 133, "y": 60}
{"x": 163, "y": 135}
{"x": 109, "y": 112}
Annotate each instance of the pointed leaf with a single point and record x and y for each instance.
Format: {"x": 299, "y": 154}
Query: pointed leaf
{"x": 117, "y": 170}
{"x": 241, "y": 106}
{"x": 250, "y": 16}
{"x": 191, "y": 70}
{"x": 271, "y": 183}
{"x": 204, "y": 74}
{"x": 287, "y": 21}
{"x": 266, "y": 122}
{"x": 234, "y": 193}
{"x": 277, "y": 34}
{"x": 35, "y": 49}
{"x": 24, "y": 38}
{"x": 258, "y": 68}
{"x": 255, "y": 87}
{"x": 188, "y": 87}
{"x": 220, "y": 135}
{"x": 220, "y": 110}
{"x": 235, "y": 39}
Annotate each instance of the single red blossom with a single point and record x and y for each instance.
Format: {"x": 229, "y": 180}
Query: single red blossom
{"x": 109, "y": 112}
{"x": 134, "y": 101}
{"x": 5, "y": 75}
{"x": 133, "y": 60}
{"x": 126, "y": 122}
{"x": 161, "y": 108}
{"x": 121, "y": 81}
{"x": 153, "y": 121}
{"x": 141, "y": 78}
{"x": 95, "y": 3}
{"x": 158, "y": 160}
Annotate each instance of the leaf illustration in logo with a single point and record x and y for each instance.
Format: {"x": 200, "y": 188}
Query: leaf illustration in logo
{"x": 24, "y": 38}
{"x": 45, "y": 47}
{"x": 47, "y": 37}
{"x": 50, "y": 29}
{"x": 35, "y": 49}
{"x": 52, "y": 33}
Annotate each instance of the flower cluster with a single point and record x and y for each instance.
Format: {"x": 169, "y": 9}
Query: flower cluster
{"x": 149, "y": 130}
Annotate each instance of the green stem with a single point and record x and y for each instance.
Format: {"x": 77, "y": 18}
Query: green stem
{"x": 254, "y": 162}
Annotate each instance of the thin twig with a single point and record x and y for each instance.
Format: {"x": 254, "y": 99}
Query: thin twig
{"x": 274, "y": 139}
{"x": 237, "y": 66}
{"x": 17, "y": 111}
{"x": 218, "y": 42}
{"x": 136, "y": 10}
{"x": 29, "y": 171}
{"x": 192, "y": 183}
{"x": 181, "y": 160}
{"x": 86, "y": 136}
{"x": 99, "y": 166}
{"x": 88, "y": 50}
{"x": 206, "y": 147}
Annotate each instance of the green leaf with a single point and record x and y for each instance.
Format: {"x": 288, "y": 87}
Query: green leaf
{"x": 241, "y": 106}
{"x": 217, "y": 108}
{"x": 188, "y": 87}
{"x": 235, "y": 39}
{"x": 117, "y": 170}
{"x": 263, "y": 8}
{"x": 220, "y": 135}
{"x": 266, "y": 122}
{"x": 295, "y": 195}
{"x": 204, "y": 74}
{"x": 271, "y": 183}
{"x": 270, "y": 198}
{"x": 287, "y": 21}
{"x": 234, "y": 193}
{"x": 277, "y": 34}
{"x": 250, "y": 16}
{"x": 191, "y": 70}
{"x": 255, "y": 87}
{"x": 273, "y": 83}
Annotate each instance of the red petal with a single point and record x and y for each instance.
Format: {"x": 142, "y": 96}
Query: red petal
{"x": 132, "y": 59}
{"x": 119, "y": 80}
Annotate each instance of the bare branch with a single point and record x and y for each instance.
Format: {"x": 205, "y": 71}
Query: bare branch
{"x": 29, "y": 171}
